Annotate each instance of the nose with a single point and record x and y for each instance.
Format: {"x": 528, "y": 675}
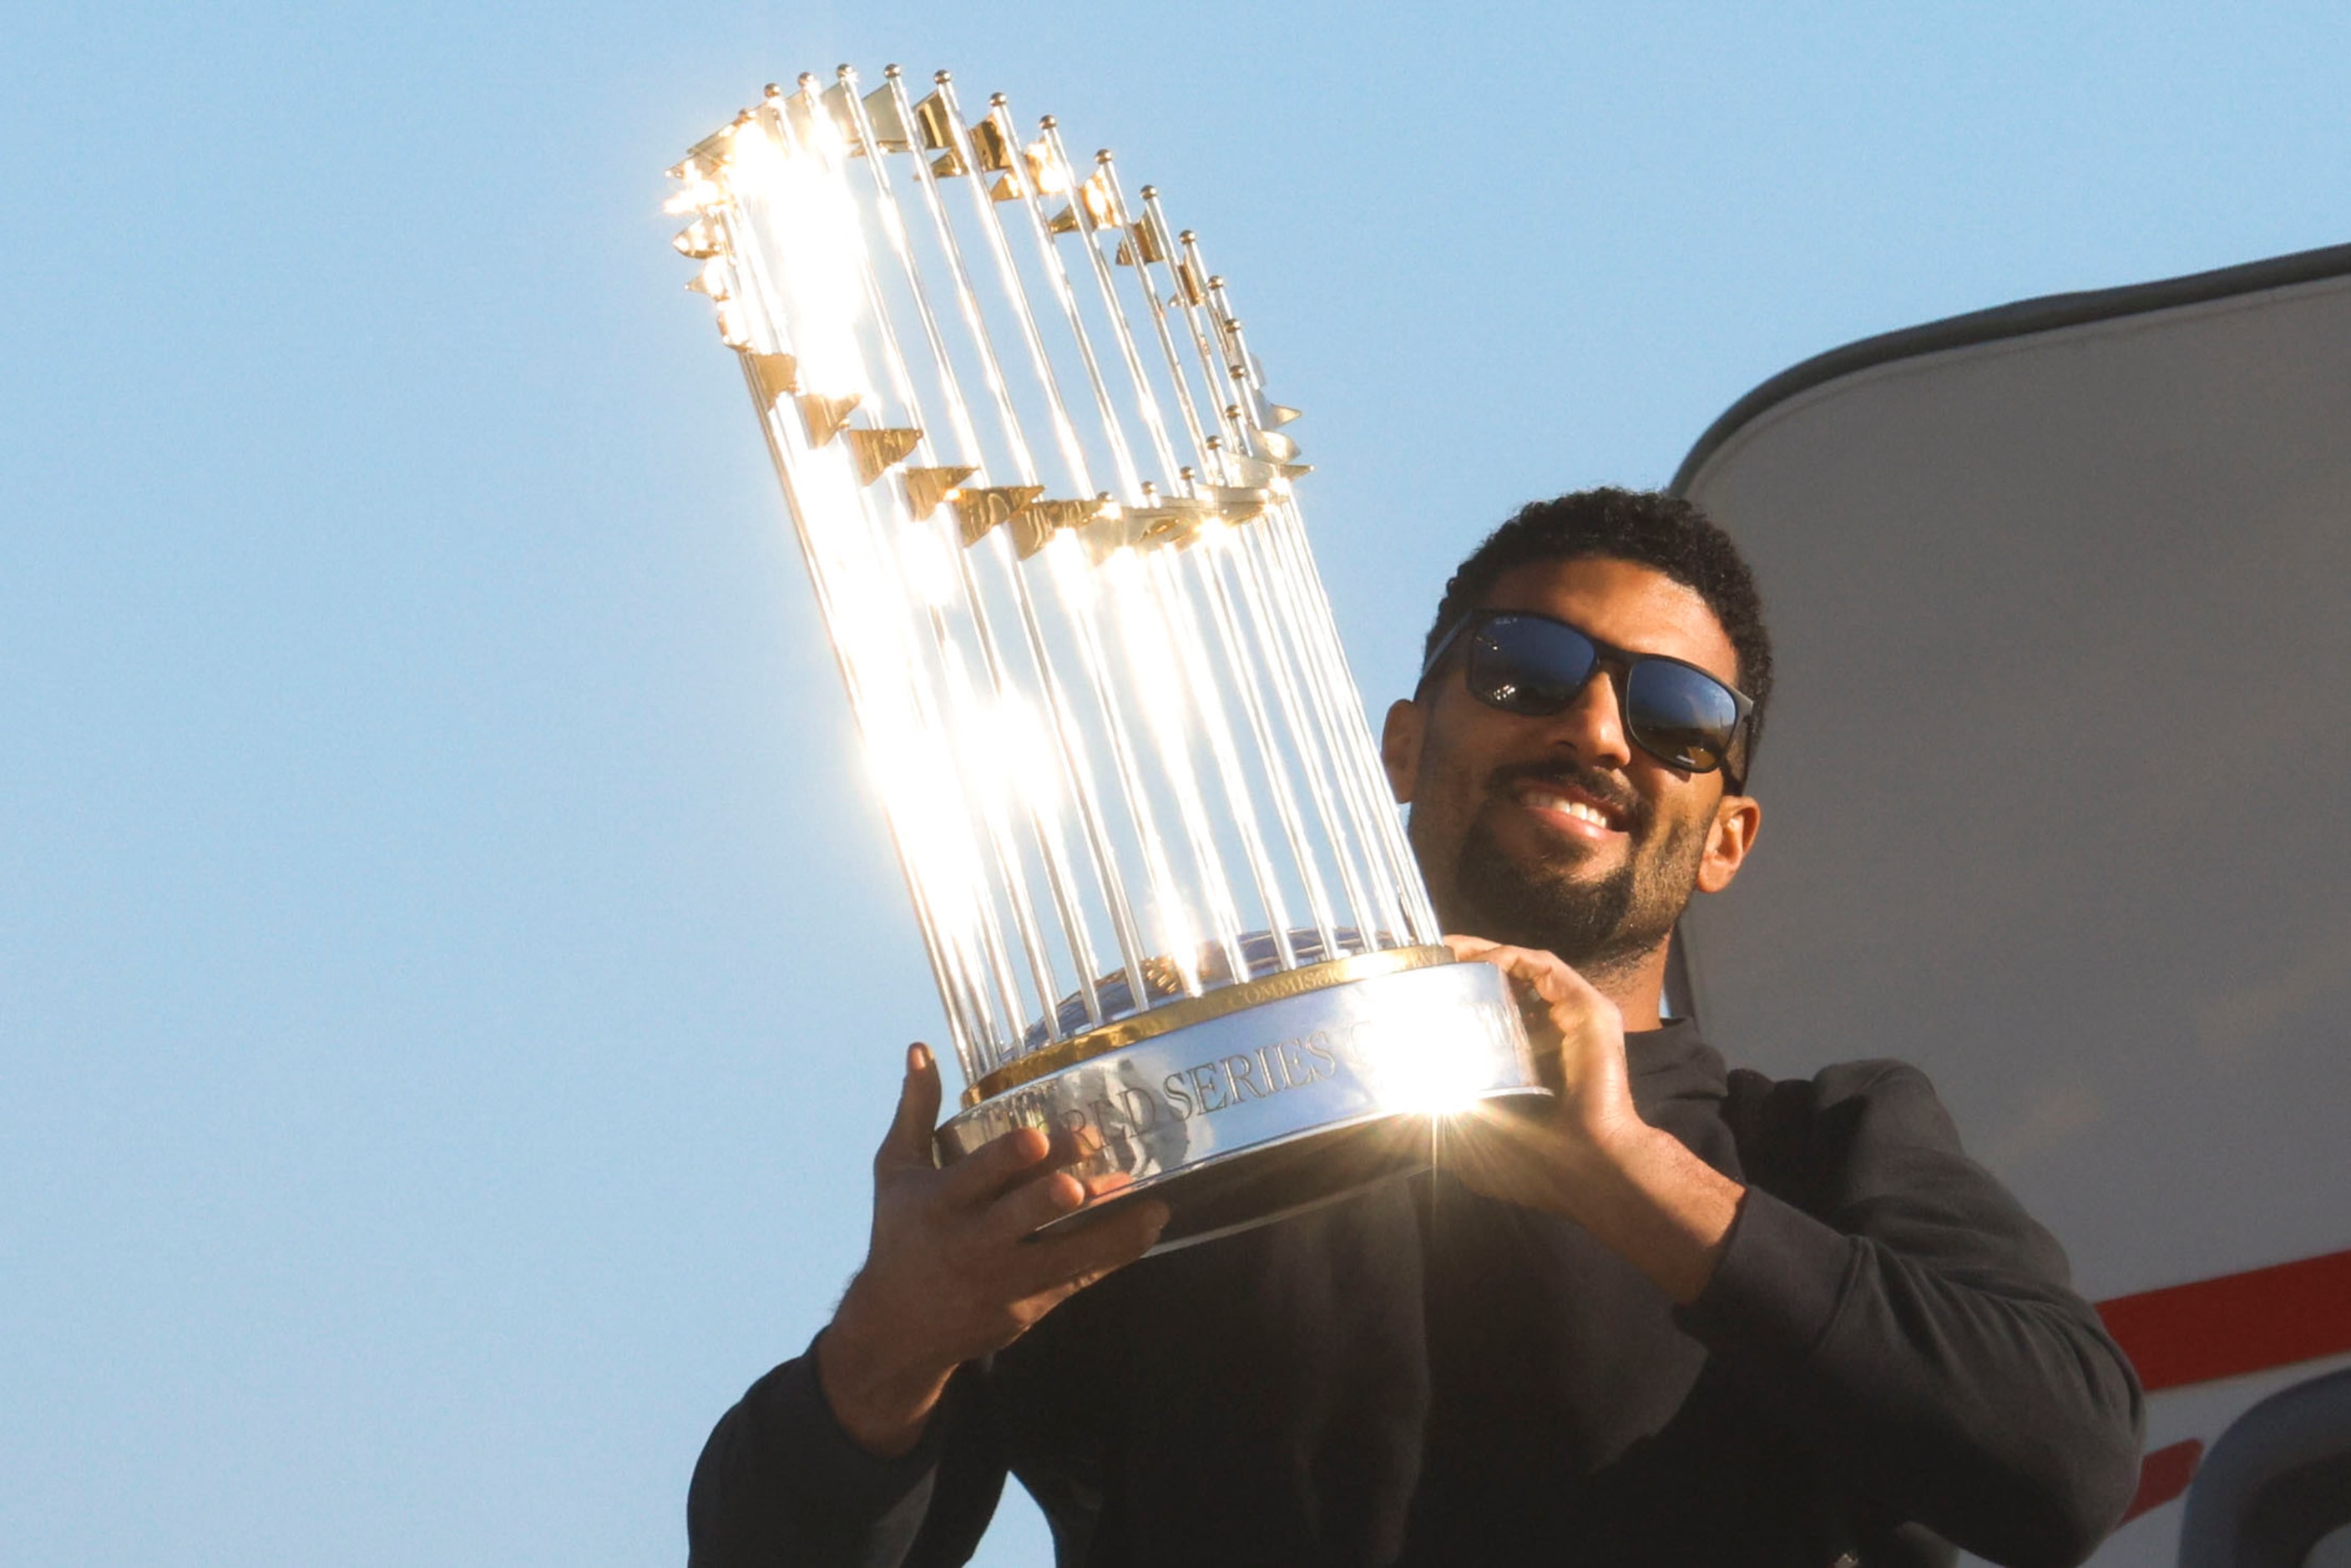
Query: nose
{"x": 1594, "y": 723}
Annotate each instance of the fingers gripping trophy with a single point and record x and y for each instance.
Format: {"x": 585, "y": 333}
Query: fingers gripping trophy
{"x": 1049, "y": 515}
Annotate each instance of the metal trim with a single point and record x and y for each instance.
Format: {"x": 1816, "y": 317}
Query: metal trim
{"x": 2023, "y": 318}
{"x": 1224, "y": 999}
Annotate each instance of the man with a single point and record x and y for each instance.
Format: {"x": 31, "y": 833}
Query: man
{"x": 1679, "y": 1316}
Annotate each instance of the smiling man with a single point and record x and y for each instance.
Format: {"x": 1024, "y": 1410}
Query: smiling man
{"x": 1579, "y": 802}
{"x": 1681, "y": 1315}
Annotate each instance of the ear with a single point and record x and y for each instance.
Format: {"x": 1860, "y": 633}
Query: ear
{"x": 1737, "y": 818}
{"x": 1400, "y": 746}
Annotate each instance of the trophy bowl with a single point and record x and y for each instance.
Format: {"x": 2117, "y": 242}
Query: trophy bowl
{"x": 1050, "y": 516}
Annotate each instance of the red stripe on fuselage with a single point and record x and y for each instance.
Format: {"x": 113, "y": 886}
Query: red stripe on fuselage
{"x": 2162, "y": 1476}
{"x": 2236, "y": 1324}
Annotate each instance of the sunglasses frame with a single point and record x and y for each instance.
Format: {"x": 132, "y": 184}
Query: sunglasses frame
{"x": 1619, "y": 663}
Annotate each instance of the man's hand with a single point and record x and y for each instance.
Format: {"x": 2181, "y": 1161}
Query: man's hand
{"x": 950, "y": 1273}
{"x": 1588, "y": 1155}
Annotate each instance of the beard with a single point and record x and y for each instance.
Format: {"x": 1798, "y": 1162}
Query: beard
{"x": 1596, "y": 926}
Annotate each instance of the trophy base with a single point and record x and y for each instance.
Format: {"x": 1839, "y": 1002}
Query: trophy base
{"x": 1261, "y": 1100}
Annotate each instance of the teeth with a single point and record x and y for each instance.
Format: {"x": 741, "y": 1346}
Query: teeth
{"x": 1575, "y": 809}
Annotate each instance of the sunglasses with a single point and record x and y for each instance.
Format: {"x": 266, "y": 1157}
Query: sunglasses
{"x": 1534, "y": 665}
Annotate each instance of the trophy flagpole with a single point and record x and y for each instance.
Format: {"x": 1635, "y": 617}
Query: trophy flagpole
{"x": 1043, "y": 828}
{"x": 1076, "y": 776}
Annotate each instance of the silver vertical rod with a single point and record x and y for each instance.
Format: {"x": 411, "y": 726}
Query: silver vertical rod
{"x": 1277, "y": 660}
{"x": 1156, "y": 218}
{"x": 1071, "y": 746}
{"x": 1199, "y": 294}
{"x": 1400, "y": 876}
{"x": 1075, "y": 579}
{"x": 1042, "y": 828}
{"x": 1193, "y": 290}
{"x": 1122, "y": 750}
{"x": 1248, "y": 559}
{"x": 882, "y": 542}
{"x": 1412, "y": 888}
{"x": 946, "y": 966}
{"x": 1201, "y": 676}
{"x": 1330, "y": 709}
{"x": 1210, "y": 448}
{"x": 1057, "y": 276}
{"x": 1153, "y": 423}
{"x": 884, "y": 563}
{"x": 957, "y": 994}
{"x": 1182, "y": 780}
{"x": 1156, "y": 867}
{"x": 1209, "y": 558}
{"x": 1211, "y": 712}
{"x": 897, "y": 534}
{"x": 1159, "y": 668}
{"x": 1331, "y": 689}
{"x": 1179, "y": 771}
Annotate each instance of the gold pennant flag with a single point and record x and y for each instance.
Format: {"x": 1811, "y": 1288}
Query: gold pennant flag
{"x": 889, "y": 128}
{"x": 1100, "y": 210}
{"x": 1142, "y": 241}
{"x": 1257, "y": 470}
{"x": 1238, "y": 504}
{"x": 875, "y": 450}
{"x": 1047, "y": 173}
{"x": 1029, "y": 532}
{"x": 930, "y": 120}
{"x": 825, "y": 415}
{"x": 714, "y": 149}
{"x": 987, "y": 146}
{"x": 927, "y": 488}
{"x": 1066, "y": 514}
{"x": 777, "y": 375}
{"x": 1034, "y": 526}
{"x": 1278, "y": 446}
{"x": 977, "y": 511}
{"x": 835, "y": 101}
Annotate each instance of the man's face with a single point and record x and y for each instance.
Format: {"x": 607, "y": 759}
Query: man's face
{"x": 1558, "y": 833}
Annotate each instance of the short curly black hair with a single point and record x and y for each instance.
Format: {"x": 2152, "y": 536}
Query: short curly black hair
{"x": 1647, "y": 527}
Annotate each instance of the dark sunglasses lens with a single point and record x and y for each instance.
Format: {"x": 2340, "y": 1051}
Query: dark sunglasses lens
{"x": 1529, "y": 667}
{"x": 1680, "y": 716}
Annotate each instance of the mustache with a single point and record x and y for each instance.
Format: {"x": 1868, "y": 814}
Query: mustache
{"x": 1609, "y": 791}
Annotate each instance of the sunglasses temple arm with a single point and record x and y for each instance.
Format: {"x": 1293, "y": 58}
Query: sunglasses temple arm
{"x": 1443, "y": 645}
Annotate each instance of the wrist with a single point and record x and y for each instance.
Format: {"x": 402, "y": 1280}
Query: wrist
{"x": 1605, "y": 1166}
{"x": 881, "y": 1390}
{"x": 1649, "y": 1199}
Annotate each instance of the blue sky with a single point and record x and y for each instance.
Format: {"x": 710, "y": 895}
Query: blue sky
{"x": 450, "y": 982}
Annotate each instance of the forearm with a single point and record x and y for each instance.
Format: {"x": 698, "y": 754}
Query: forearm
{"x": 1984, "y": 1403}
{"x": 1646, "y": 1196}
{"x": 883, "y": 1395}
{"x": 855, "y": 1452}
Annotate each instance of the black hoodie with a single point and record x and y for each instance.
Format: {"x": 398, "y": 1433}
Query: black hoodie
{"x": 1887, "y": 1358}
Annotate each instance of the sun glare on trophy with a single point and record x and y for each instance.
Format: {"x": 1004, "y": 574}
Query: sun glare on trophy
{"x": 1051, "y": 516}
{"x": 1440, "y": 1085}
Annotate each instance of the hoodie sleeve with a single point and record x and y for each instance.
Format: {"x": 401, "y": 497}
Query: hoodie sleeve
{"x": 780, "y": 1482}
{"x": 1902, "y": 1309}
